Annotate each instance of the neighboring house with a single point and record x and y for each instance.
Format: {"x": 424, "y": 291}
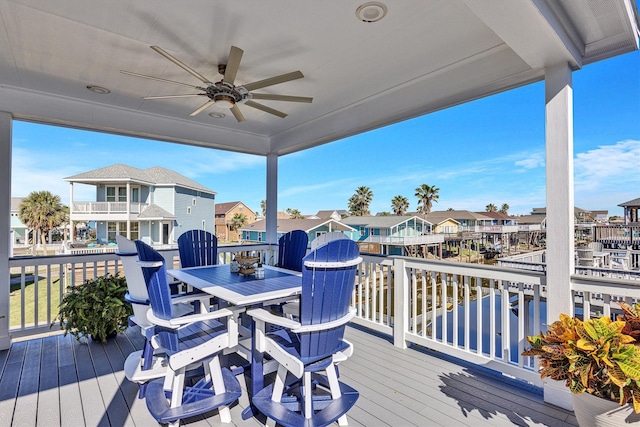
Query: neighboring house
{"x": 631, "y": 211}
{"x": 19, "y": 231}
{"x": 442, "y": 223}
{"x": 256, "y": 232}
{"x": 393, "y": 235}
{"x": 224, "y": 220}
{"x": 582, "y": 216}
{"x": 155, "y": 205}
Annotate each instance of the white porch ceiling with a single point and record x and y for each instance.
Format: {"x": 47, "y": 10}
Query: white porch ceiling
{"x": 425, "y": 55}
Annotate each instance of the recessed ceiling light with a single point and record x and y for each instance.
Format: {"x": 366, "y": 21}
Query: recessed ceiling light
{"x": 98, "y": 89}
{"x": 372, "y": 11}
{"x": 217, "y": 115}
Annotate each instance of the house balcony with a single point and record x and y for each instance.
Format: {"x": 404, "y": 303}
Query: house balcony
{"x": 489, "y": 228}
{"x": 449, "y": 335}
{"x": 106, "y": 211}
{"x": 427, "y": 239}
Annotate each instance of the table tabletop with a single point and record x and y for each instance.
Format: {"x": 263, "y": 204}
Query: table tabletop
{"x": 219, "y": 281}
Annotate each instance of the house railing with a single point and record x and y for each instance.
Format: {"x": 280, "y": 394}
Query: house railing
{"x": 475, "y": 312}
{"x": 489, "y": 228}
{"x": 106, "y": 207}
{"x": 37, "y": 284}
{"x": 426, "y": 239}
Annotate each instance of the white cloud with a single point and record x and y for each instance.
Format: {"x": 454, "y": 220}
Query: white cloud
{"x": 535, "y": 160}
{"x": 611, "y": 167}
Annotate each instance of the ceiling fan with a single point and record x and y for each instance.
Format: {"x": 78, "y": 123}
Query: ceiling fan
{"x": 224, "y": 93}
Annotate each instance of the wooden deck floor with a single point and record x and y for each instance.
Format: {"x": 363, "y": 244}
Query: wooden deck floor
{"x": 56, "y": 381}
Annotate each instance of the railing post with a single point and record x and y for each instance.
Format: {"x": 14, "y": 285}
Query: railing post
{"x": 401, "y": 302}
{"x": 5, "y": 234}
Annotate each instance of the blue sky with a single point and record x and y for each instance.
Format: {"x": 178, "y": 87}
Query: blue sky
{"x": 488, "y": 151}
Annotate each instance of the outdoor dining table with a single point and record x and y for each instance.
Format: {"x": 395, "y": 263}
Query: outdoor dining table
{"x": 246, "y": 291}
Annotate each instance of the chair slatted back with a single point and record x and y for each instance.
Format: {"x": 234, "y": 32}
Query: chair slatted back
{"x": 326, "y": 293}
{"x": 159, "y": 292}
{"x": 136, "y": 285}
{"x": 197, "y": 248}
{"x": 292, "y": 247}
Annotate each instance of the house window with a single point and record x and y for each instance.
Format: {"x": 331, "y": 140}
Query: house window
{"x": 362, "y": 231}
{"x": 240, "y": 208}
{"x": 112, "y": 230}
{"x": 135, "y": 195}
{"x": 193, "y": 201}
{"x": 188, "y": 210}
{"x": 121, "y": 193}
{"x": 204, "y": 225}
{"x": 135, "y": 230}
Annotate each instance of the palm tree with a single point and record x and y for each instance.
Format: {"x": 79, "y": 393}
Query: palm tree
{"x": 504, "y": 209}
{"x": 360, "y": 201}
{"x": 491, "y": 208}
{"x": 294, "y": 213}
{"x": 399, "y": 205}
{"x": 263, "y": 207}
{"x": 238, "y": 220}
{"x": 427, "y": 195}
{"x": 42, "y": 211}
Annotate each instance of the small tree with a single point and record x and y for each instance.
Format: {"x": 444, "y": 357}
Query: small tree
{"x": 360, "y": 201}
{"x": 427, "y": 195}
{"x": 399, "y": 205}
{"x": 504, "y": 209}
{"x": 491, "y": 208}
{"x": 294, "y": 213}
{"x": 42, "y": 211}
{"x": 263, "y": 207}
{"x": 238, "y": 220}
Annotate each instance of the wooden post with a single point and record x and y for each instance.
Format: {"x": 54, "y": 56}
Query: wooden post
{"x": 5, "y": 234}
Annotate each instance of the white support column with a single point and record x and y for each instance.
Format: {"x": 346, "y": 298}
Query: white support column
{"x": 272, "y": 198}
{"x": 128, "y": 198}
{"x": 72, "y": 224}
{"x": 5, "y": 226}
{"x": 560, "y": 206}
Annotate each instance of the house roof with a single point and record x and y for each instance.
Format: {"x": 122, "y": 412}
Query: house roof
{"x": 496, "y": 215}
{"x": 531, "y": 219}
{"x": 439, "y": 217}
{"x": 634, "y": 202}
{"x": 286, "y": 225}
{"x": 328, "y": 213}
{"x": 380, "y": 221}
{"x": 155, "y": 212}
{"x": 156, "y": 175}
{"x": 15, "y": 203}
{"x": 224, "y": 208}
{"x": 52, "y": 52}
{"x": 464, "y": 215}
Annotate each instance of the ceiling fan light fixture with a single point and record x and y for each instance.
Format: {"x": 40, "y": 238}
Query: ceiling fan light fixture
{"x": 224, "y": 101}
{"x": 98, "y": 89}
{"x": 372, "y": 11}
{"x": 217, "y": 115}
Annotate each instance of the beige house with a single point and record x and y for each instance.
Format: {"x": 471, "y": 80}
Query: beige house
{"x": 224, "y": 220}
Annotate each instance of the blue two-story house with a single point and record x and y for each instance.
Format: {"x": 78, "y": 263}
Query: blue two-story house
{"x": 154, "y": 205}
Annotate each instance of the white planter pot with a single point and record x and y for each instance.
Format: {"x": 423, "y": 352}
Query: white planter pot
{"x": 592, "y": 411}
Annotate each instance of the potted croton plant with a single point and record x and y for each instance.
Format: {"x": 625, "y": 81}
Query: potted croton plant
{"x": 599, "y": 361}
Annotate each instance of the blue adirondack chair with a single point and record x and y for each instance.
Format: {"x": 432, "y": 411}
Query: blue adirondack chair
{"x": 197, "y": 248}
{"x": 314, "y": 344}
{"x": 292, "y": 247}
{"x": 188, "y": 341}
{"x": 143, "y": 365}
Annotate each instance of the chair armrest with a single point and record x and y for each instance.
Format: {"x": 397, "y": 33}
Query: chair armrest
{"x": 265, "y": 316}
{"x": 327, "y": 325}
{"x": 175, "y": 323}
{"x": 149, "y": 264}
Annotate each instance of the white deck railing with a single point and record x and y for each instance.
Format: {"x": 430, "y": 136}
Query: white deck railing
{"x": 34, "y": 302}
{"x": 106, "y": 207}
{"x": 478, "y": 313}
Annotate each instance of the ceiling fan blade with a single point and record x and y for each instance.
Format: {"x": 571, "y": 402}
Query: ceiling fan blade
{"x": 274, "y": 80}
{"x": 173, "y": 96}
{"x": 233, "y": 62}
{"x": 181, "y": 64}
{"x": 159, "y": 79}
{"x": 281, "y": 97}
{"x": 265, "y": 109}
{"x": 237, "y": 114}
{"x": 201, "y": 108}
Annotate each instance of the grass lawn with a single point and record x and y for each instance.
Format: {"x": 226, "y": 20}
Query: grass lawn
{"x": 15, "y": 302}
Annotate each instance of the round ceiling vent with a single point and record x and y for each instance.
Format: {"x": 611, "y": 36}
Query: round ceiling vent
{"x": 98, "y": 89}
{"x": 372, "y": 11}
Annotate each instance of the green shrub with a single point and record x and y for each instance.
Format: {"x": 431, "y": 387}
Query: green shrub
{"x": 96, "y": 308}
